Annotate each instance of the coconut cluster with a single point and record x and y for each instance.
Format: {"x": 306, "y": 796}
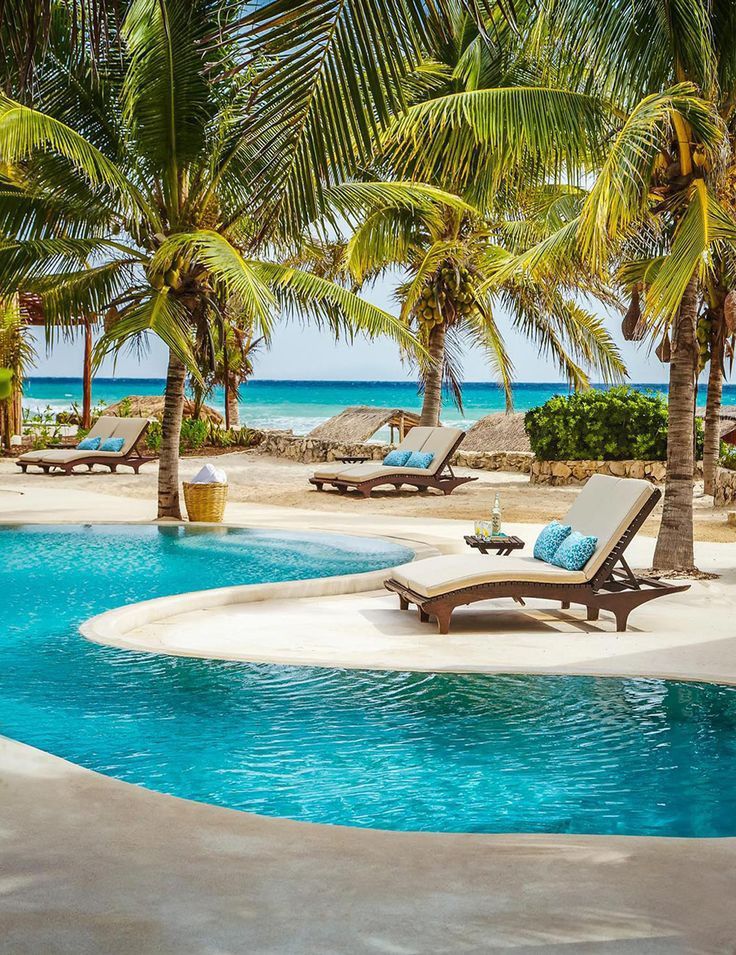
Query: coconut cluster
{"x": 449, "y": 294}
{"x": 703, "y": 334}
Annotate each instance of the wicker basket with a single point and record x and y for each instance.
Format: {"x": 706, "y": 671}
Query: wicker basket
{"x": 205, "y": 502}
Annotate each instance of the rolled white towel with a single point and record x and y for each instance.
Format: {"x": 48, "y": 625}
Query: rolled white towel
{"x": 209, "y": 474}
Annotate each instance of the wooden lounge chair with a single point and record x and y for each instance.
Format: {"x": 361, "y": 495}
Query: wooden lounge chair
{"x": 612, "y": 509}
{"x": 107, "y": 426}
{"x": 441, "y": 442}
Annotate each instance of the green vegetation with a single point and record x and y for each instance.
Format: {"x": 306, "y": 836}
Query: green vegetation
{"x": 728, "y": 457}
{"x": 197, "y": 170}
{"x": 616, "y": 425}
{"x": 197, "y": 434}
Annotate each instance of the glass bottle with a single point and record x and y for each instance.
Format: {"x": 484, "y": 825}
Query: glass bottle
{"x": 496, "y": 517}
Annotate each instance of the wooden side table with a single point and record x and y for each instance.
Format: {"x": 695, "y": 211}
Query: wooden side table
{"x": 354, "y": 458}
{"x": 500, "y": 545}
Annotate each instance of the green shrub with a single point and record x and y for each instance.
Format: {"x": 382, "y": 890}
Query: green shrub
{"x": 196, "y": 433}
{"x": 615, "y": 425}
{"x": 193, "y": 434}
{"x": 220, "y": 437}
{"x": 728, "y": 457}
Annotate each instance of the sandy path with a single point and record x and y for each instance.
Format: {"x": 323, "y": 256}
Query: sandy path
{"x": 256, "y": 478}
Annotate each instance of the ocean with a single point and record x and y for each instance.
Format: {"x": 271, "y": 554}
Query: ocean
{"x": 301, "y": 405}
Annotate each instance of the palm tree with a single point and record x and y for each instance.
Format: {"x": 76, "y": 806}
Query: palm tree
{"x": 451, "y": 254}
{"x": 16, "y": 355}
{"x": 450, "y": 297}
{"x": 160, "y": 183}
{"x": 656, "y": 155}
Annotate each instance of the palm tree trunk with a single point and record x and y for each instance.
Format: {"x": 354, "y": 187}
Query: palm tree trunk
{"x": 232, "y": 404}
{"x": 87, "y": 377}
{"x": 674, "y": 550}
{"x": 168, "y": 465}
{"x": 432, "y": 404}
{"x": 712, "y": 437}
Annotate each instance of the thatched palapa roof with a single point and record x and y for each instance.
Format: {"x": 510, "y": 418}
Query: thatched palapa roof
{"x": 361, "y": 422}
{"x": 152, "y": 406}
{"x": 498, "y": 432}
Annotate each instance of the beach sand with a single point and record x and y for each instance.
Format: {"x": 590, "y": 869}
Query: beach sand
{"x": 260, "y": 479}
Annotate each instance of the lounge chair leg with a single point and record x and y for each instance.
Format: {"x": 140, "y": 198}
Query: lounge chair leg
{"x": 443, "y": 619}
{"x": 24, "y": 468}
{"x": 318, "y": 485}
{"x": 593, "y": 613}
{"x": 622, "y": 617}
{"x": 366, "y": 492}
{"x": 398, "y": 486}
{"x": 423, "y": 615}
{"x": 403, "y": 603}
{"x": 565, "y": 604}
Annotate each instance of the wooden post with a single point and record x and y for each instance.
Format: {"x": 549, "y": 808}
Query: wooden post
{"x": 87, "y": 376}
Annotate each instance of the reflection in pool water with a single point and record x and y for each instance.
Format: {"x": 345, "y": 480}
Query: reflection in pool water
{"x": 452, "y": 752}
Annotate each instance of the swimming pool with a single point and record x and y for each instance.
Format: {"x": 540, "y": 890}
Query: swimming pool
{"x": 407, "y": 751}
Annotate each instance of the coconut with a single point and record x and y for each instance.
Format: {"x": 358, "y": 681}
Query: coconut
{"x": 632, "y": 325}
{"x": 729, "y": 314}
{"x": 664, "y": 349}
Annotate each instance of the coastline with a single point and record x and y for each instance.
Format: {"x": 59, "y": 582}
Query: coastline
{"x": 300, "y": 405}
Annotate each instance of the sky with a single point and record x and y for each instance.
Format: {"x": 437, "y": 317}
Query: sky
{"x": 301, "y": 352}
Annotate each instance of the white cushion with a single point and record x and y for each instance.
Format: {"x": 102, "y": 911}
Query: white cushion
{"x": 329, "y": 471}
{"x": 604, "y": 509}
{"x": 31, "y": 456}
{"x": 368, "y": 471}
{"x": 440, "y": 575}
{"x": 61, "y": 456}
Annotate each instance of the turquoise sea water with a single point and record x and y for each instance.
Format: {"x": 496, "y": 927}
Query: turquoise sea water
{"x": 446, "y": 752}
{"x": 301, "y": 405}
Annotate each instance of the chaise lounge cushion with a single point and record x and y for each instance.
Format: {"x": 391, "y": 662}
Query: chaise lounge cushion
{"x": 128, "y": 429}
{"x": 439, "y": 442}
{"x": 440, "y": 575}
{"x": 413, "y": 441}
{"x": 102, "y": 428}
{"x": 605, "y": 507}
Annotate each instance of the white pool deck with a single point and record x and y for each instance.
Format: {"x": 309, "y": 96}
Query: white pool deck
{"x": 91, "y": 864}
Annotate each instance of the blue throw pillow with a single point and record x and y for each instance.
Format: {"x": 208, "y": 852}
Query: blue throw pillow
{"x": 575, "y": 551}
{"x": 396, "y": 459}
{"x": 419, "y": 459}
{"x": 112, "y": 444}
{"x": 88, "y": 444}
{"x": 549, "y": 540}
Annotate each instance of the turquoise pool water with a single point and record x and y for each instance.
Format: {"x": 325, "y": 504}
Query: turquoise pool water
{"x": 448, "y": 752}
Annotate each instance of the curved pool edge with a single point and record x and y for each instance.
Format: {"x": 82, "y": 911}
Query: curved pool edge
{"x": 111, "y": 627}
{"x": 639, "y": 890}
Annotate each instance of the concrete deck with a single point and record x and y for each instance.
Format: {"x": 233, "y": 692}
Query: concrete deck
{"x": 91, "y": 864}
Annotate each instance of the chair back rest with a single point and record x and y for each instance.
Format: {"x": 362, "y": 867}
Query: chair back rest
{"x": 414, "y": 440}
{"x": 104, "y": 427}
{"x": 605, "y": 508}
{"x": 130, "y": 429}
{"x": 441, "y": 442}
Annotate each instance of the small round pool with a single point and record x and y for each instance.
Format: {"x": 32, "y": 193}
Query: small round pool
{"x": 408, "y": 751}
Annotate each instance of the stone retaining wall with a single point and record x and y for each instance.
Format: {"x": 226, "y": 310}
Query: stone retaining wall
{"x": 560, "y": 473}
{"x": 284, "y": 444}
{"x": 725, "y": 487}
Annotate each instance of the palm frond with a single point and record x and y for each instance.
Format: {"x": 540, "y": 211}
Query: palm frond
{"x": 236, "y": 275}
{"x": 160, "y": 314}
{"x": 310, "y": 296}
{"x": 24, "y": 131}
{"x": 540, "y": 131}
